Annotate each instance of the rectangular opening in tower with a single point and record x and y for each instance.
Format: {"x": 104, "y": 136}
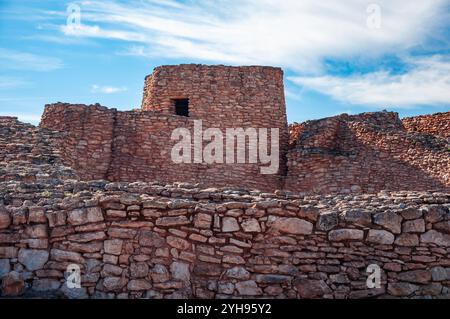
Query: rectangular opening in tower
{"x": 182, "y": 107}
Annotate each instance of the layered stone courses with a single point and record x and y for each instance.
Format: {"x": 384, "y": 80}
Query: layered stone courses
{"x": 218, "y": 243}
{"x": 96, "y": 187}
{"x": 363, "y": 153}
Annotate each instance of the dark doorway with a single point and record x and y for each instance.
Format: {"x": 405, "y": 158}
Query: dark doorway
{"x": 182, "y": 107}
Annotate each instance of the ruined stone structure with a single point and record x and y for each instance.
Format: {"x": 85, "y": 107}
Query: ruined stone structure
{"x": 368, "y": 153}
{"x": 95, "y": 187}
{"x": 104, "y": 143}
{"x": 437, "y": 124}
{"x": 343, "y": 154}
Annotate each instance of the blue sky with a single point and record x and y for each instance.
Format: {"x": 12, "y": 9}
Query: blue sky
{"x": 338, "y": 57}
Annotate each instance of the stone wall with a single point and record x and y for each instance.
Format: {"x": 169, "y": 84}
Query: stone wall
{"x": 365, "y": 153}
{"x": 102, "y": 143}
{"x": 87, "y": 142}
{"x": 435, "y": 124}
{"x": 28, "y": 153}
{"x": 153, "y": 241}
{"x": 222, "y": 96}
{"x": 362, "y": 153}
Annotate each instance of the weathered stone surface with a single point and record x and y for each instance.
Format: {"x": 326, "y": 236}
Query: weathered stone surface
{"x": 62, "y": 255}
{"x": 416, "y": 276}
{"x": 116, "y": 213}
{"x": 309, "y": 289}
{"x": 33, "y": 259}
{"x": 358, "y": 217}
{"x": 56, "y": 219}
{"x": 390, "y": 220}
{"x": 273, "y": 279}
{"x": 226, "y": 288}
{"x": 74, "y": 293}
{"x": 434, "y": 214}
{"x": 87, "y": 237}
{"x": 248, "y": 288}
{"x": 294, "y": 226}
{"x": 159, "y": 273}
{"x": 4, "y": 267}
{"x": 232, "y": 259}
{"x": 114, "y": 283}
{"x": 439, "y": 274}
{"x": 367, "y": 293}
{"x": 411, "y": 213}
{"x": 13, "y": 284}
{"x": 381, "y": 237}
{"x": 138, "y": 285}
{"x": 402, "y": 289}
{"x": 251, "y": 226}
{"x": 77, "y": 217}
{"x": 36, "y": 215}
{"x": 94, "y": 214}
{"x": 180, "y": 271}
{"x": 345, "y": 234}
{"x": 238, "y": 273}
{"x": 172, "y": 221}
{"x": 407, "y": 240}
{"x": 111, "y": 270}
{"x": 8, "y": 252}
{"x": 202, "y": 220}
{"x": 443, "y": 227}
{"x": 139, "y": 270}
{"x": 414, "y": 226}
{"x": 46, "y": 284}
{"x": 229, "y": 224}
{"x": 178, "y": 243}
{"x": 150, "y": 239}
{"x": 5, "y": 219}
{"x": 37, "y": 231}
{"x": 85, "y": 247}
{"x": 435, "y": 237}
{"x": 327, "y": 221}
{"x": 113, "y": 246}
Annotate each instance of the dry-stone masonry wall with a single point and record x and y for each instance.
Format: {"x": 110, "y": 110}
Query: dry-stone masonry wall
{"x": 384, "y": 199}
{"x": 102, "y": 143}
{"x": 29, "y": 154}
{"x": 139, "y": 240}
{"x": 435, "y": 124}
{"x": 362, "y": 153}
{"x": 367, "y": 153}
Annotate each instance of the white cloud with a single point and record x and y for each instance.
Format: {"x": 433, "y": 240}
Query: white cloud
{"x": 96, "y": 32}
{"x": 290, "y": 33}
{"x": 8, "y": 82}
{"x": 17, "y": 60}
{"x": 426, "y": 82}
{"x": 107, "y": 89}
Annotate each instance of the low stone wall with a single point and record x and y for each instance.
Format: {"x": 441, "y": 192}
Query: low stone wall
{"x": 31, "y": 154}
{"x": 178, "y": 241}
{"x": 365, "y": 153}
{"x": 437, "y": 124}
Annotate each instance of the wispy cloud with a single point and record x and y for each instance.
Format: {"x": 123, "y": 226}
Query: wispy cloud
{"x": 427, "y": 82}
{"x": 8, "y": 82}
{"x": 17, "y": 60}
{"x": 289, "y": 33}
{"x": 107, "y": 89}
